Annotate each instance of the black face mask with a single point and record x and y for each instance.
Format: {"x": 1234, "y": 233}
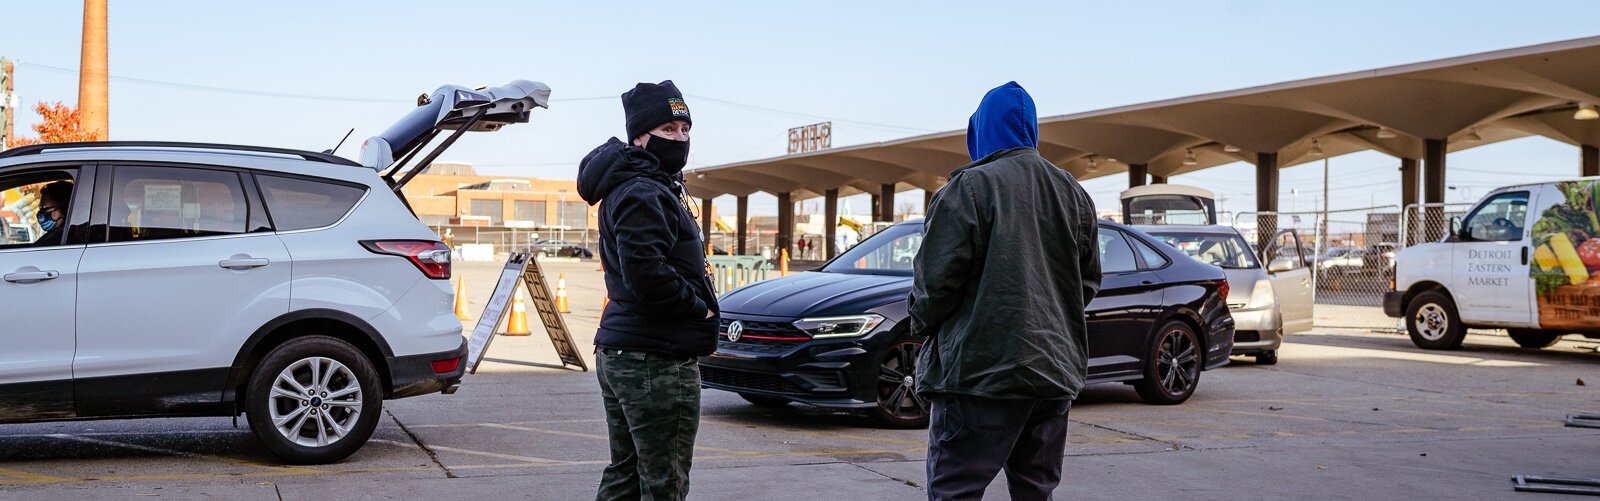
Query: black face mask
{"x": 673, "y": 154}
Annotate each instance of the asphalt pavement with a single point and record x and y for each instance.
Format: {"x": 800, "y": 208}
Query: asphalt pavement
{"x": 1346, "y": 414}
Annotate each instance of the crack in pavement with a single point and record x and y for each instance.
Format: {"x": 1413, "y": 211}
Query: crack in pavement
{"x": 432, "y": 456}
{"x": 1172, "y": 446}
{"x": 906, "y": 481}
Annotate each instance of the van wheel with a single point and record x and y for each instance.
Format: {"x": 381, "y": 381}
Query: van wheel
{"x": 1432, "y": 322}
{"x": 1172, "y": 366}
{"x": 1534, "y": 338}
{"x": 314, "y": 400}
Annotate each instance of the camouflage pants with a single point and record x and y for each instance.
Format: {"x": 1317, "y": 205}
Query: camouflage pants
{"x": 652, "y": 413}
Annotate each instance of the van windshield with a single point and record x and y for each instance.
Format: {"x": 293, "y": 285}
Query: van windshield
{"x": 1226, "y": 251}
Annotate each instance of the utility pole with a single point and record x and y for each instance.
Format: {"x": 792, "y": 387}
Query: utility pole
{"x": 8, "y": 103}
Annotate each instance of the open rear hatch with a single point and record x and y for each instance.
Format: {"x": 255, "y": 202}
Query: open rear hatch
{"x": 448, "y": 108}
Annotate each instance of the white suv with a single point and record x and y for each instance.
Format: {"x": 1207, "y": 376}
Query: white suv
{"x": 294, "y": 287}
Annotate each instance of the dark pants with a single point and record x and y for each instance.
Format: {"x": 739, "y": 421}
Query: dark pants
{"x": 970, "y": 439}
{"x": 652, "y": 413}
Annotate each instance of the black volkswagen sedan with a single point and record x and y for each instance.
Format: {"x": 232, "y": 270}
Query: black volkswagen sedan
{"x": 837, "y": 337}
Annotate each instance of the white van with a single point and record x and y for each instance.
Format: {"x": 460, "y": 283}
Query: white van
{"x": 1526, "y": 258}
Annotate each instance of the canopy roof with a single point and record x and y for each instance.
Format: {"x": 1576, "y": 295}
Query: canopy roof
{"x": 1469, "y": 100}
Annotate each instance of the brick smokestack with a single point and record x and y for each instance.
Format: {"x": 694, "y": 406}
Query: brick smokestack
{"x": 93, "y": 91}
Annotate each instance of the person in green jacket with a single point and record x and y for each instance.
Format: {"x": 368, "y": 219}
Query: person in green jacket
{"x": 1009, "y": 258}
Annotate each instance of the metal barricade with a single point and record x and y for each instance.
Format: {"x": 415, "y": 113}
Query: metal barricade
{"x": 731, "y": 272}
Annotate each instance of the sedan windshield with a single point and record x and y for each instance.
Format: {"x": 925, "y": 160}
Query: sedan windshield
{"x": 889, "y": 252}
{"x": 1226, "y": 251}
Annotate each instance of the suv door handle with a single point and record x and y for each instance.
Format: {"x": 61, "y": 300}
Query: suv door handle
{"x": 243, "y": 263}
{"x": 28, "y": 277}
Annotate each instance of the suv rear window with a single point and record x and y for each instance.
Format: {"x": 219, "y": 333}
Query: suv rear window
{"x": 297, "y": 204}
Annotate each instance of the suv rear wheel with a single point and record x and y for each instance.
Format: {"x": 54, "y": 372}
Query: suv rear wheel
{"x": 1534, "y": 338}
{"x": 314, "y": 400}
{"x": 1432, "y": 322}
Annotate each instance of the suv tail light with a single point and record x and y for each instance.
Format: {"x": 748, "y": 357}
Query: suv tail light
{"x": 433, "y": 258}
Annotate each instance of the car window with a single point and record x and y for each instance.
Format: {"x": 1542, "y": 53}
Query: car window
{"x": 1285, "y": 246}
{"x": 1152, "y": 258}
{"x": 1115, "y": 255}
{"x": 33, "y": 216}
{"x": 891, "y": 251}
{"x": 1500, "y": 219}
{"x": 153, "y": 203}
{"x": 298, "y": 204}
{"x": 1223, "y": 250}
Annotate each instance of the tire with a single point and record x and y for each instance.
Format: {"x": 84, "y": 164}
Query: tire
{"x": 1534, "y": 338}
{"x": 1172, "y": 365}
{"x": 899, "y": 405}
{"x": 344, "y": 369}
{"x": 1269, "y": 357}
{"x": 1440, "y": 327}
{"x": 764, "y": 401}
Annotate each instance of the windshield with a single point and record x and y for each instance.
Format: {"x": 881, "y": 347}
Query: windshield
{"x": 1223, "y": 250}
{"x": 889, "y": 252}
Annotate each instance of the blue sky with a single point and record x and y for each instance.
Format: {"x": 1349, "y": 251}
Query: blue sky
{"x": 879, "y": 70}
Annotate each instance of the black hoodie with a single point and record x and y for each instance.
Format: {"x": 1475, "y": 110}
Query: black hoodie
{"x": 652, "y": 253}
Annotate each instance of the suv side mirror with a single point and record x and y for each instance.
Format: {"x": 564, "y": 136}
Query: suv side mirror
{"x": 1280, "y": 264}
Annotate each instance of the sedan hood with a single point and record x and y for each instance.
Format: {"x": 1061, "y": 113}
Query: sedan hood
{"x": 815, "y": 294}
{"x": 1242, "y": 283}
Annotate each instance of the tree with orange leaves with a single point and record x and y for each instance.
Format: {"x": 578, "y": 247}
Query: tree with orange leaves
{"x": 60, "y": 125}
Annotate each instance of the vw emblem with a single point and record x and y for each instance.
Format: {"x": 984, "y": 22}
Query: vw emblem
{"x": 735, "y": 330}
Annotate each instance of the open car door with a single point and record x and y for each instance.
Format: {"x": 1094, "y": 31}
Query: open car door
{"x": 448, "y": 108}
{"x": 1291, "y": 280}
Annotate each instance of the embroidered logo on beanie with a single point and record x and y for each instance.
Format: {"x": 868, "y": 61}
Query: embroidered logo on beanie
{"x": 678, "y": 108}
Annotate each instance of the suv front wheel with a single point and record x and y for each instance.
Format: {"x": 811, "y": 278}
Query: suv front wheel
{"x": 314, "y": 400}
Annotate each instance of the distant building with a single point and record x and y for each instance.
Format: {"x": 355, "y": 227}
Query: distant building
{"x": 504, "y": 210}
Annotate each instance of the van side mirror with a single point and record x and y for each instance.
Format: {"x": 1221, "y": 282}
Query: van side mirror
{"x": 1455, "y": 227}
{"x": 1281, "y": 264}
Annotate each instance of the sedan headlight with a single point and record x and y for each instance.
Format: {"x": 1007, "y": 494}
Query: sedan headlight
{"x": 1262, "y": 295}
{"x": 831, "y": 327}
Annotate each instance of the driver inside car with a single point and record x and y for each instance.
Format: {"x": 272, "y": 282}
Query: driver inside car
{"x": 52, "y": 214}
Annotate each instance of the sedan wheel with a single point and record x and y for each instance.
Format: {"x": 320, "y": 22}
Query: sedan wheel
{"x": 1172, "y": 368}
{"x": 314, "y": 400}
{"x": 899, "y": 405}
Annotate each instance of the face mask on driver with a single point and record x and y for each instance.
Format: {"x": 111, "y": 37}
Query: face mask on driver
{"x": 45, "y": 223}
{"x": 673, "y": 154}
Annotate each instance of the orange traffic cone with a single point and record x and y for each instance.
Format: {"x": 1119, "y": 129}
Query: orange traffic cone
{"x": 603, "y": 305}
{"x": 561, "y": 294}
{"x": 783, "y": 263}
{"x": 519, "y": 317}
{"x": 462, "y": 310}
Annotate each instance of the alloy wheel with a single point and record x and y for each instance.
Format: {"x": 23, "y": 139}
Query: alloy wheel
{"x": 315, "y": 401}
{"x": 897, "y": 385}
{"x": 1177, "y": 362}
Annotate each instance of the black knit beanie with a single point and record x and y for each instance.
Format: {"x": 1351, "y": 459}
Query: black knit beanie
{"x": 649, "y": 105}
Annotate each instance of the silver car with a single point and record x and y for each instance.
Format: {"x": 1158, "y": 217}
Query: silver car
{"x": 1266, "y": 303}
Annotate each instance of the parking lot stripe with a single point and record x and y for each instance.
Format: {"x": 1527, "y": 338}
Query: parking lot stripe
{"x": 826, "y": 434}
{"x": 599, "y": 437}
{"x": 23, "y": 477}
{"x": 207, "y": 457}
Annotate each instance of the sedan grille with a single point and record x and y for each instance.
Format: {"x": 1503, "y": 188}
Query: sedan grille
{"x": 747, "y": 380}
{"x": 764, "y": 333}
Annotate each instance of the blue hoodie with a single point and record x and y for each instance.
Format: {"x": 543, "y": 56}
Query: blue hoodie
{"x": 1004, "y": 120}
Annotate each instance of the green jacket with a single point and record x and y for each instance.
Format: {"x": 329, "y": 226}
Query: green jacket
{"x": 1009, "y": 258}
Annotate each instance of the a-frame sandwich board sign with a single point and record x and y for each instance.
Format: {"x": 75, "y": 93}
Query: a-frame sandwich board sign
{"x": 522, "y": 270}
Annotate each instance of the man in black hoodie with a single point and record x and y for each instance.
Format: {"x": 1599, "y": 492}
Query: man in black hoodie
{"x": 662, "y": 315}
